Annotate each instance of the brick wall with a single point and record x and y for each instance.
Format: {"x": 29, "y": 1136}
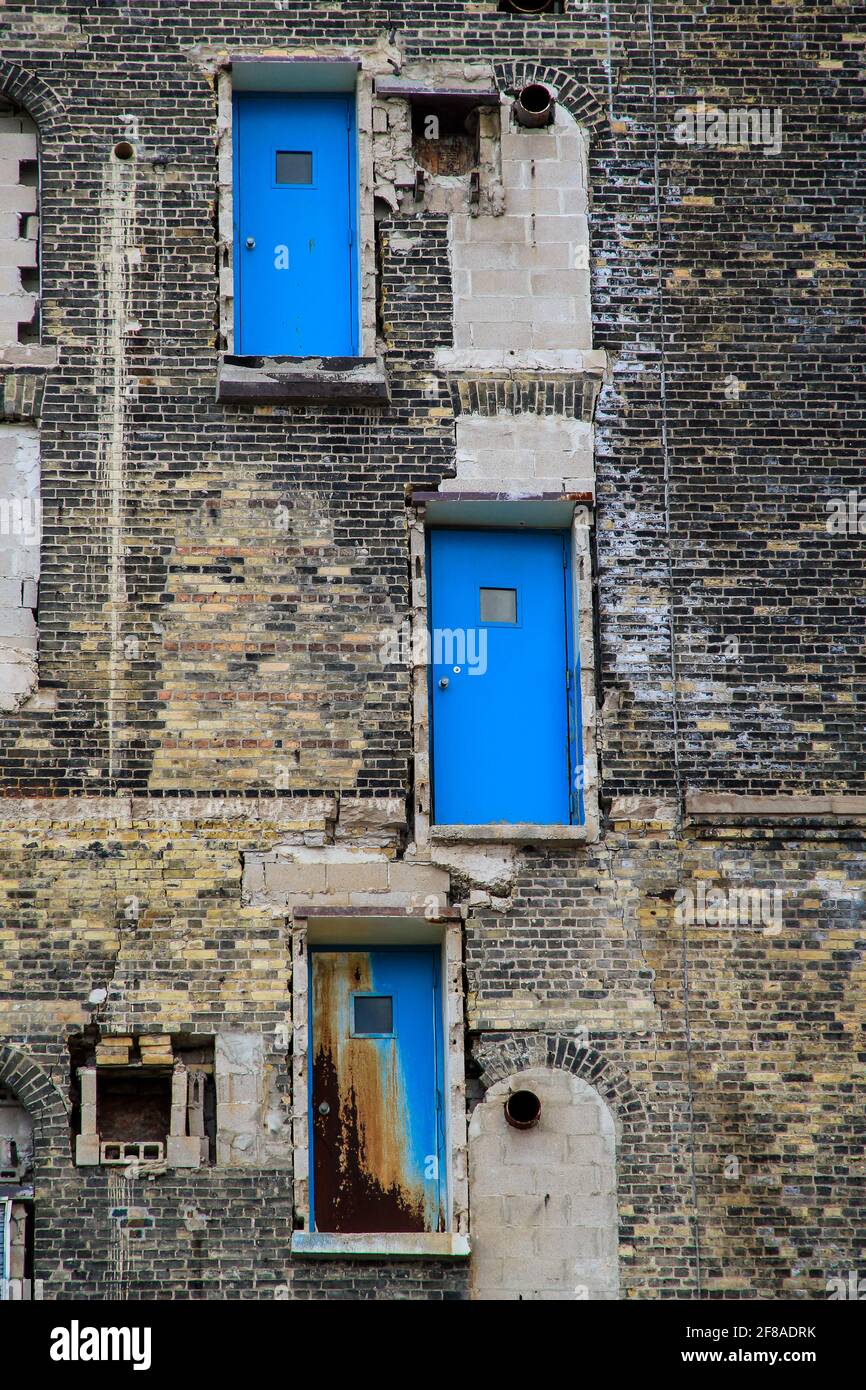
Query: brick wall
{"x": 229, "y": 646}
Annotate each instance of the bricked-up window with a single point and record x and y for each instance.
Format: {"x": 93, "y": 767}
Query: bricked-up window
{"x": 19, "y": 226}
{"x": 143, "y": 1098}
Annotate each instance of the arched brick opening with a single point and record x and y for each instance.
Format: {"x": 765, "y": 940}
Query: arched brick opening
{"x": 42, "y": 103}
{"x": 36, "y": 1092}
{"x": 543, "y": 1199}
{"x": 579, "y": 100}
{"x": 544, "y": 1202}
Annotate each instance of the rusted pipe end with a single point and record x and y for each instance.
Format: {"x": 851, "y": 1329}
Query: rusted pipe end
{"x": 534, "y": 105}
{"x": 523, "y": 1109}
{"x": 123, "y": 150}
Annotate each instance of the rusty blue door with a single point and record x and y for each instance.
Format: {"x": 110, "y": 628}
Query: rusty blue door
{"x": 376, "y": 1101}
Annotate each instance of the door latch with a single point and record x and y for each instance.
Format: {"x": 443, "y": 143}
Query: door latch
{"x": 443, "y": 684}
{"x": 251, "y": 243}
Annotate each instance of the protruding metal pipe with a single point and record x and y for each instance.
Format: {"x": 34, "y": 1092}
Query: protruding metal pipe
{"x": 534, "y": 105}
{"x": 523, "y": 1109}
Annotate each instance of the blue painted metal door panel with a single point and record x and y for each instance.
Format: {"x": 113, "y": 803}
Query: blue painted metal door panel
{"x": 295, "y": 236}
{"x": 500, "y": 617}
{"x": 376, "y": 1101}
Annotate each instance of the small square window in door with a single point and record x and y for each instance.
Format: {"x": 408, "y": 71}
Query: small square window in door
{"x": 294, "y": 166}
{"x": 498, "y": 606}
{"x": 373, "y": 1016}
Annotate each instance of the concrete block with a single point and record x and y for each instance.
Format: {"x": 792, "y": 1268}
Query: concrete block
{"x": 86, "y": 1150}
{"x": 407, "y": 877}
{"x": 357, "y": 876}
{"x": 183, "y": 1151}
{"x": 284, "y": 877}
{"x": 17, "y": 623}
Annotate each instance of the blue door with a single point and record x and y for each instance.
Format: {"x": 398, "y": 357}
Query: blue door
{"x": 376, "y": 1102}
{"x": 501, "y": 678}
{"x": 295, "y": 235}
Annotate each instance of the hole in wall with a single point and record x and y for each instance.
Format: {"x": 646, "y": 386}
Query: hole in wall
{"x": 123, "y": 150}
{"x": 441, "y": 142}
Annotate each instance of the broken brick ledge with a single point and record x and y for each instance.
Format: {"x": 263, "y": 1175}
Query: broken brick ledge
{"x": 408, "y": 1245}
{"x": 302, "y": 380}
{"x": 719, "y": 808}
{"x": 504, "y": 833}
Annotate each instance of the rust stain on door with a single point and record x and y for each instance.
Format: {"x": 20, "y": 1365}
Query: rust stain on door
{"x": 366, "y": 1176}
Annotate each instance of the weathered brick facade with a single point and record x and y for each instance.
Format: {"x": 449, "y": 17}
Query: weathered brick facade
{"x": 215, "y": 739}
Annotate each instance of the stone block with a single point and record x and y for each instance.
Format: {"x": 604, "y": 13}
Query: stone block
{"x": 183, "y": 1151}
{"x": 86, "y": 1150}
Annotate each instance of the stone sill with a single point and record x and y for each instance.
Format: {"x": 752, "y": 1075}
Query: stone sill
{"x": 505, "y": 834}
{"x": 302, "y": 381}
{"x": 721, "y": 809}
{"x": 25, "y": 355}
{"x": 592, "y": 361}
{"x": 423, "y": 1245}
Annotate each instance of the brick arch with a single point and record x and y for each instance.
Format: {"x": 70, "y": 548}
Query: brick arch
{"x": 579, "y": 100}
{"x": 38, "y": 99}
{"x": 34, "y": 1088}
{"x": 499, "y": 1060}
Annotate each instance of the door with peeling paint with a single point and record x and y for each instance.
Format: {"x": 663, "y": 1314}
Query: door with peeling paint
{"x": 376, "y": 1101}
{"x": 295, "y": 224}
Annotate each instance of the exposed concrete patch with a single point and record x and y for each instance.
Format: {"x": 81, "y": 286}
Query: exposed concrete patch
{"x": 20, "y": 536}
{"x": 552, "y": 453}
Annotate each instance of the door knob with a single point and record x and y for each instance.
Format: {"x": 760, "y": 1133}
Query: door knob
{"x": 324, "y": 1108}
{"x": 251, "y": 243}
{"x": 443, "y": 684}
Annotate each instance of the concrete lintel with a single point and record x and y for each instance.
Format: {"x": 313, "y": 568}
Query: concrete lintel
{"x": 547, "y": 511}
{"x": 593, "y": 361}
{"x": 377, "y": 1247}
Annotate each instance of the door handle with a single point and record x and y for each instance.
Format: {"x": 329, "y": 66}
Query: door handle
{"x": 443, "y": 684}
{"x": 251, "y": 243}
{"x": 324, "y": 1108}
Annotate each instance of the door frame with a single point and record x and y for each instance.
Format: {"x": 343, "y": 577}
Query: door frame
{"x": 377, "y": 929}
{"x": 570, "y": 693}
{"x": 428, "y": 948}
{"x": 491, "y": 513}
{"x": 354, "y": 269}
{"x": 340, "y": 73}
